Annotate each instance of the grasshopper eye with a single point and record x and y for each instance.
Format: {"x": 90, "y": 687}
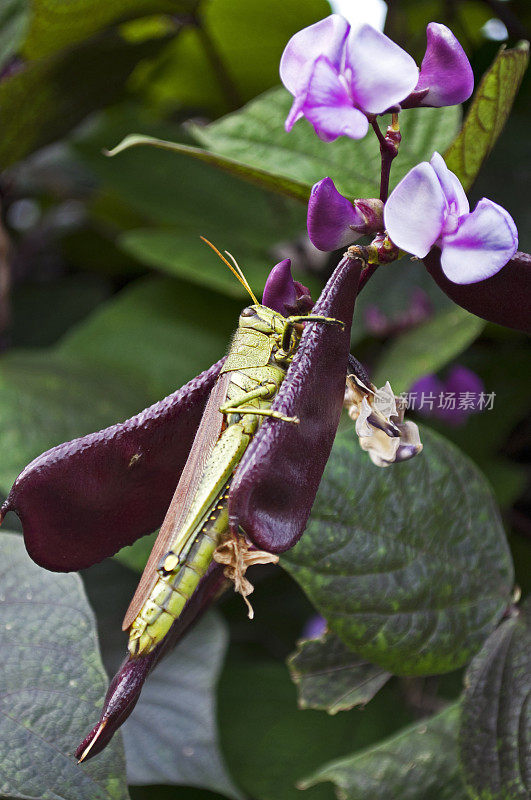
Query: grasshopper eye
{"x": 247, "y": 312}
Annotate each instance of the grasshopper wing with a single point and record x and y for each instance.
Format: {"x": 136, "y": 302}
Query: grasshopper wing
{"x": 207, "y": 435}
{"x": 83, "y": 500}
{"x": 275, "y": 485}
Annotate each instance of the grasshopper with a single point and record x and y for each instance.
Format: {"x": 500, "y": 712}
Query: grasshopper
{"x": 196, "y": 527}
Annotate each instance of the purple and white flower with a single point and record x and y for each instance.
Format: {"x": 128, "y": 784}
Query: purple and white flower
{"x": 429, "y": 208}
{"x": 338, "y": 76}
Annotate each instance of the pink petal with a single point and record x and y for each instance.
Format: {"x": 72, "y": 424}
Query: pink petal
{"x": 330, "y": 217}
{"x": 484, "y": 242}
{"x": 326, "y": 37}
{"x": 328, "y": 107}
{"x": 380, "y": 73}
{"x": 414, "y": 213}
{"x": 451, "y": 185}
{"x": 445, "y": 69}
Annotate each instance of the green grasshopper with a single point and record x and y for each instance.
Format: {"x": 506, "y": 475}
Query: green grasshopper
{"x": 196, "y": 527}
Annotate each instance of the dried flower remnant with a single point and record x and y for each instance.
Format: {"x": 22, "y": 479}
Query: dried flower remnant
{"x": 380, "y": 426}
{"x": 235, "y": 553}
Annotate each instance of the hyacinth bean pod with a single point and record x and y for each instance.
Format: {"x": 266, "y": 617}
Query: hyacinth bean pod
{"x": 82, "y": 501}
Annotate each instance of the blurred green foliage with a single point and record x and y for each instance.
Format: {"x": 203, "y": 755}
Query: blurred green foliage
{"x": 108, "y": 301}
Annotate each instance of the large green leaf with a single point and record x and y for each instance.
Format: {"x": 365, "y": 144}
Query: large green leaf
{"x": 331, "y": 677}
{"x": 171, "y": 737}
{"x": 53, "y": 682}
{"x": 495, "y": 735}
{"x": 260, "y": 177}
{"x": 488, "y": 113}
{"x": 419, "y": 764}
{"x": 56, "y": 25}
{"x": 42, "y": 101}
{"x": 409, "y": 564}
{"x": 427, "y": 348}
{"x": 230, "y": 56}
{"x": 157, "y": 331}
{"x": 14, "y": 18}
{"x": 255, "y": 136}
{"x": 46, "y": 400}
{"x": 196, "y": 201}
{"x": 270, "y": 745}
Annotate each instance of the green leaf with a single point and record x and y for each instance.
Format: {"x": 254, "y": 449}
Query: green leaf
{"x": 495, "y": 734}
{"x": 259, "y": 177}
{"x": 56, "y": 25}
{"x": 184, "y": 255}
{"x": 171, "y": 737}
{"x": 419, "y": 764}
{"x": 14, "y": 18}
{"x": 409, "y": 565}
{"x": 255, "y": 136}
{"x": 53, "y": 682}
{"x": 156, "y": 331}
{"x": 427, "y": 348}
{"x": 201, "y": 201}
{"x": 229, "y": 57}
{"x": 100, "y": 66}
{"x": 488, "y": 113}
{"x": 331, "y": 677}
{"x": 269, "y": 744}
{"x": 46, "y": 400}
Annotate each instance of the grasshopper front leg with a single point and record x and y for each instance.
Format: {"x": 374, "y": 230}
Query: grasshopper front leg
{"x": 286, "y": 346}
{"x": 264, "y": 392}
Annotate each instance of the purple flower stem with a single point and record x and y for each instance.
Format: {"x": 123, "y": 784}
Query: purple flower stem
{"x": 366, "y": 273}
{"x": 388, "y": 151}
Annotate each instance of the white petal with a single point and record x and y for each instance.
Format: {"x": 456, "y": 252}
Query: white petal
{"x": 380, "y": 73}
{"x": 451, "y": 185}
{"x": 326, "y": 37}
{"x": 415, "y": 211}
{"x": 484, "y": 242}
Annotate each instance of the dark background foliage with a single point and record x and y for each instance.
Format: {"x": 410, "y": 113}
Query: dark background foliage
{"x": 109, "y": 301}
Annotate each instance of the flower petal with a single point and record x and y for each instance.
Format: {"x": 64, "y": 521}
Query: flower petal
{"x": 445, "y": 70}
{"x": 504, "y": 298}
{"x": 379, "y": 72}
{"x": 484, "y": 242}
{"x": 451, "y": 185}
{"x": 274, "y": 488}
{"x": 328, "y": 107}
{"x": 282, "y": 293}
{"x": 415, "y": 211}
{"x": 326, "y": 37}
{"x": 331, "y": 217}
{"x": 295, "y": 112}
{"x": 82, "y": 501}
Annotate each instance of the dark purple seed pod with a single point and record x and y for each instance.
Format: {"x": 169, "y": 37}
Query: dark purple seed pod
{"x": 81, "y": 501}
{"x": 274, "y": 488}
{"x": 124, "y": 690}
{"x": 503, "y": 298}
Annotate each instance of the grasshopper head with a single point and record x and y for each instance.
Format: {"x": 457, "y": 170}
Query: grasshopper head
{"x": 263, "y": 319}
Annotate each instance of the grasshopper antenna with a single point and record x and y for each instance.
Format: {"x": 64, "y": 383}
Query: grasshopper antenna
{"x": 236, "y": 272}
{"x": 240, "y": 272}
